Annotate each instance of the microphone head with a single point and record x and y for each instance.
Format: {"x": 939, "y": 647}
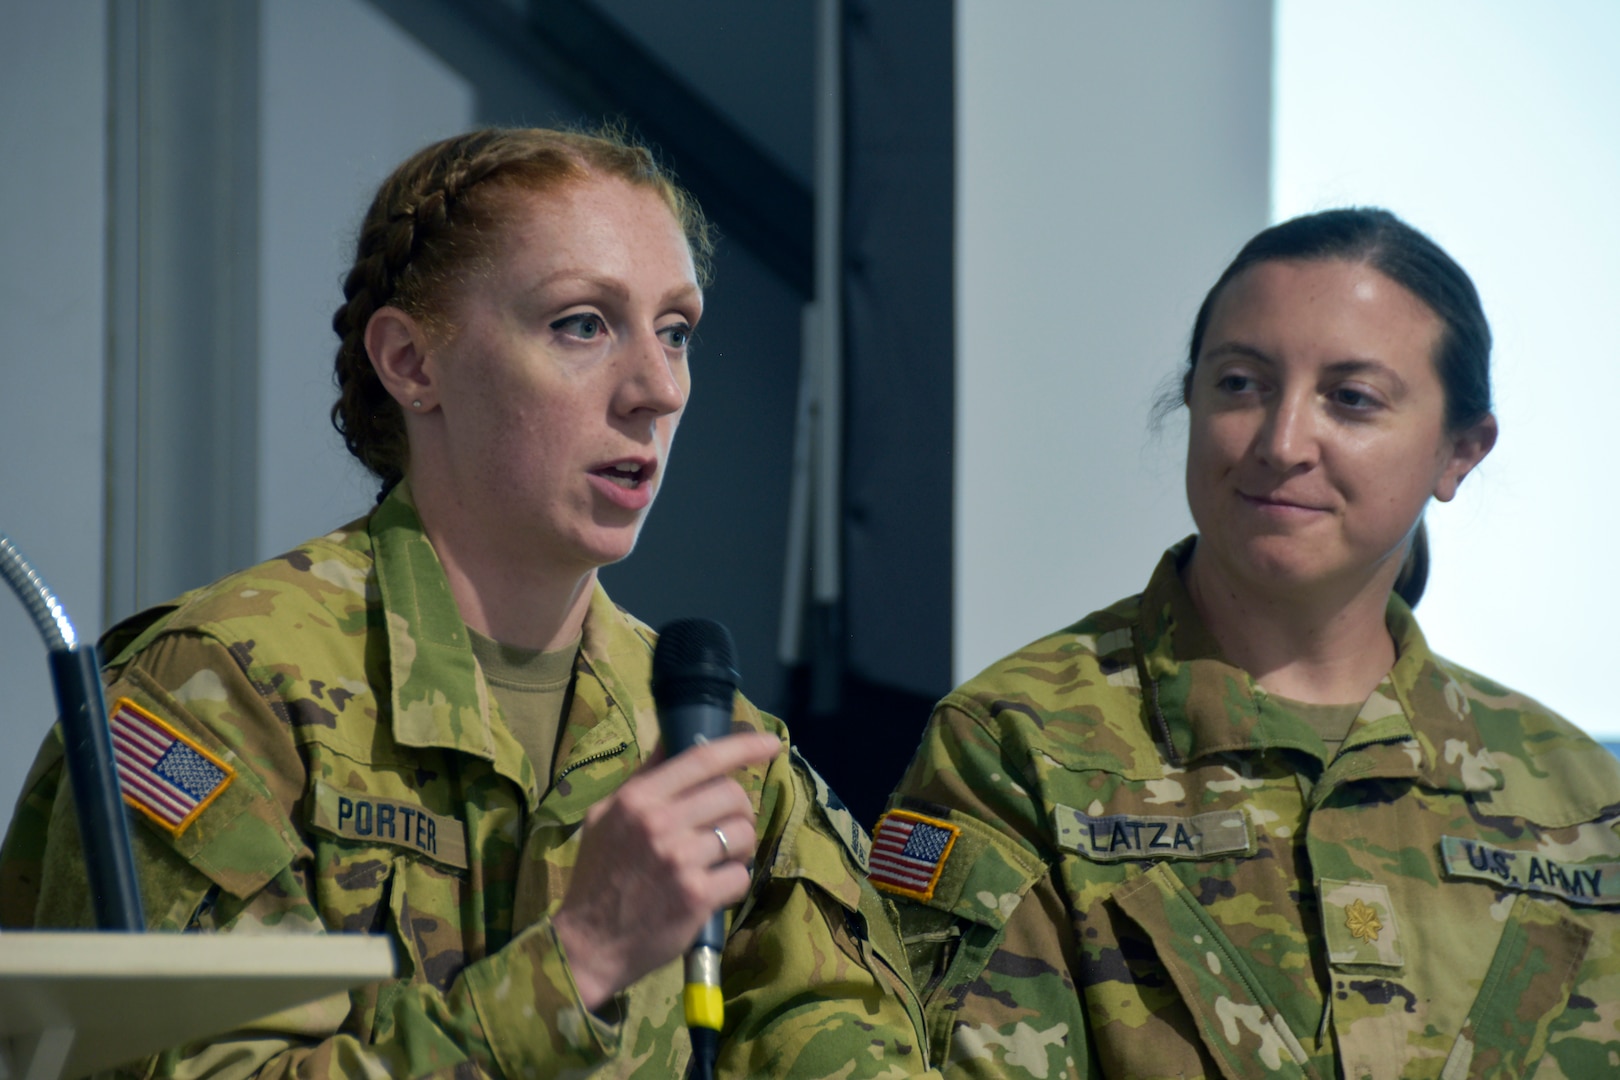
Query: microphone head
{"x": 694, "y": 661}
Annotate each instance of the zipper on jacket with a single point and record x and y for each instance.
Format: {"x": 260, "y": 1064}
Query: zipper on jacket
{"x": 592, "y": 759}
{"x": 1171, "y": 754}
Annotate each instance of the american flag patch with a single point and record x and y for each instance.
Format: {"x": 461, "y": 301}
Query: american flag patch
{"x": 908, "y": 853}
{"x": 162, "y": 773}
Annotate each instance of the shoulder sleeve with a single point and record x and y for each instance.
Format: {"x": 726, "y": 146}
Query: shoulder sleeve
{"x": 207, "y": 772}
{"x": 22, "y": 857}
{"x": 985, "y": 923}
{"x": 240, "y": 865}
{"x": 815, "y": 979}
{"x": 1530, "y": 743}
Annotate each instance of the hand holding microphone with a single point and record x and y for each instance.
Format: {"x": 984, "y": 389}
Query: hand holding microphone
{"x": 694, "y": 680}
{"x": 663, "y": 855}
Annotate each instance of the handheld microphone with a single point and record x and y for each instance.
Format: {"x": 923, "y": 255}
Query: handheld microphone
{"x": 694, "y": 679}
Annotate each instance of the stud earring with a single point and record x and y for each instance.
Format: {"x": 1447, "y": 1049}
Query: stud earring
{"x": 417, "y": 404}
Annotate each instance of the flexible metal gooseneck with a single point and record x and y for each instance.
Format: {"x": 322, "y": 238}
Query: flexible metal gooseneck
{"x": 76, "y": 675}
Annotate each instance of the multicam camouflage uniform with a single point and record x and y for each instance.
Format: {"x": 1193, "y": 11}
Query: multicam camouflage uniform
{"x": 1126, "y": 860}
{"x": 376, "y": 789}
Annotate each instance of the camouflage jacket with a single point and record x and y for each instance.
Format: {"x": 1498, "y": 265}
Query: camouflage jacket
{"x": 372, "y": 786}
{"x": 1119, "y": 857}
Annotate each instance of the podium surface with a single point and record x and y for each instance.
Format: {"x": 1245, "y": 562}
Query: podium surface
{"x": 73, "y": 1003}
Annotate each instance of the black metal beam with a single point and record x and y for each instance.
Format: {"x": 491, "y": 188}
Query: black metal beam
{"x": 569, "y": 47}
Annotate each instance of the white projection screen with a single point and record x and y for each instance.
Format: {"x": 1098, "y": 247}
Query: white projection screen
{"x": 1495, "y": 127}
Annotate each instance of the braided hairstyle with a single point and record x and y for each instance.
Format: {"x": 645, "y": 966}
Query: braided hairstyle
{"x": 434, "y": 225}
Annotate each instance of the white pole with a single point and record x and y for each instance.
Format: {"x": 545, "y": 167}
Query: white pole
{"x": 791, "y": 630}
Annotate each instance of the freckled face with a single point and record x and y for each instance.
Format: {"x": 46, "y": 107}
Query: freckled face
{"x": 565, "y": 374}
{"x": 1317, "y": 431}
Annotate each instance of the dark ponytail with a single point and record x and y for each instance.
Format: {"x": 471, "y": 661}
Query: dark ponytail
{"x": 1414, "y": 572}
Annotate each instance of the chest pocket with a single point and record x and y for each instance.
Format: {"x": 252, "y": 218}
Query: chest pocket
{"x": 1182, "y": 887}
{"x": 418, "y": 904}
{"x": 1237, "y": 1019}
{"x": 1526, "y": 989}
{"x": 389, "y": 865}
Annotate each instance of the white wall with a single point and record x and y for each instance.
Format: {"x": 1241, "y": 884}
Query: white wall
{"x": 1111, "y": 158}
{"x": 1495, "y": 127}
{"x": 347, "y": 96}
{"x": 53, "y": 177}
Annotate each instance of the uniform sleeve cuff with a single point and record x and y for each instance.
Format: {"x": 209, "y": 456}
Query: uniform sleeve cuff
{"x": 532, "y": 1012}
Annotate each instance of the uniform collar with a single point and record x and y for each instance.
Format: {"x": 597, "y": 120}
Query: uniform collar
{"x": 440, "y": 698}
{"x": 1416, "y": 724}
{"x": 438, "y": 694}
{"x": 612, "y": 714}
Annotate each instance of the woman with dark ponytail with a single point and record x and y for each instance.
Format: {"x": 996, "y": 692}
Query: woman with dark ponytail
{"x": 1246, "y": 823}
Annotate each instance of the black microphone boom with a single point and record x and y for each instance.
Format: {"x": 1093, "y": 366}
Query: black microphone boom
{"x": 693, "y": 682}
{"x": 87, "y": 740}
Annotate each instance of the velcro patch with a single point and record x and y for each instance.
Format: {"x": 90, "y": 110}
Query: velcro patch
{"x": 839, "y": 819}
{"x": 1359, "y": 921}
{"x": 1595, "y": 883}
{"x": 376, "y": 819}
{"x": 1117, "y": 837}
{"x": 165, "y": 775}
{"x": 909, "y": 852}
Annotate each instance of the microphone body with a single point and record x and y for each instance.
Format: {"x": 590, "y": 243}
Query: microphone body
{"x": 694, "y": 681}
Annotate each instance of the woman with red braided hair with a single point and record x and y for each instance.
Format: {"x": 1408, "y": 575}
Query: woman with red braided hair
{"x": 434, "y": 724}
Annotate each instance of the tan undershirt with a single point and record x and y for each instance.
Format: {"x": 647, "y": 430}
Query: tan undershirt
{"x": 533, "y": 689}
{"x": 1330, "y": 722}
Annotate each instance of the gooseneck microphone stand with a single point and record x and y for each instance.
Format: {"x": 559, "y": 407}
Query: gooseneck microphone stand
{"x": 76, "y": 675}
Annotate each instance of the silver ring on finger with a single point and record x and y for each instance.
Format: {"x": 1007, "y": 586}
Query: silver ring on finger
{"x": 725, "y": 846}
